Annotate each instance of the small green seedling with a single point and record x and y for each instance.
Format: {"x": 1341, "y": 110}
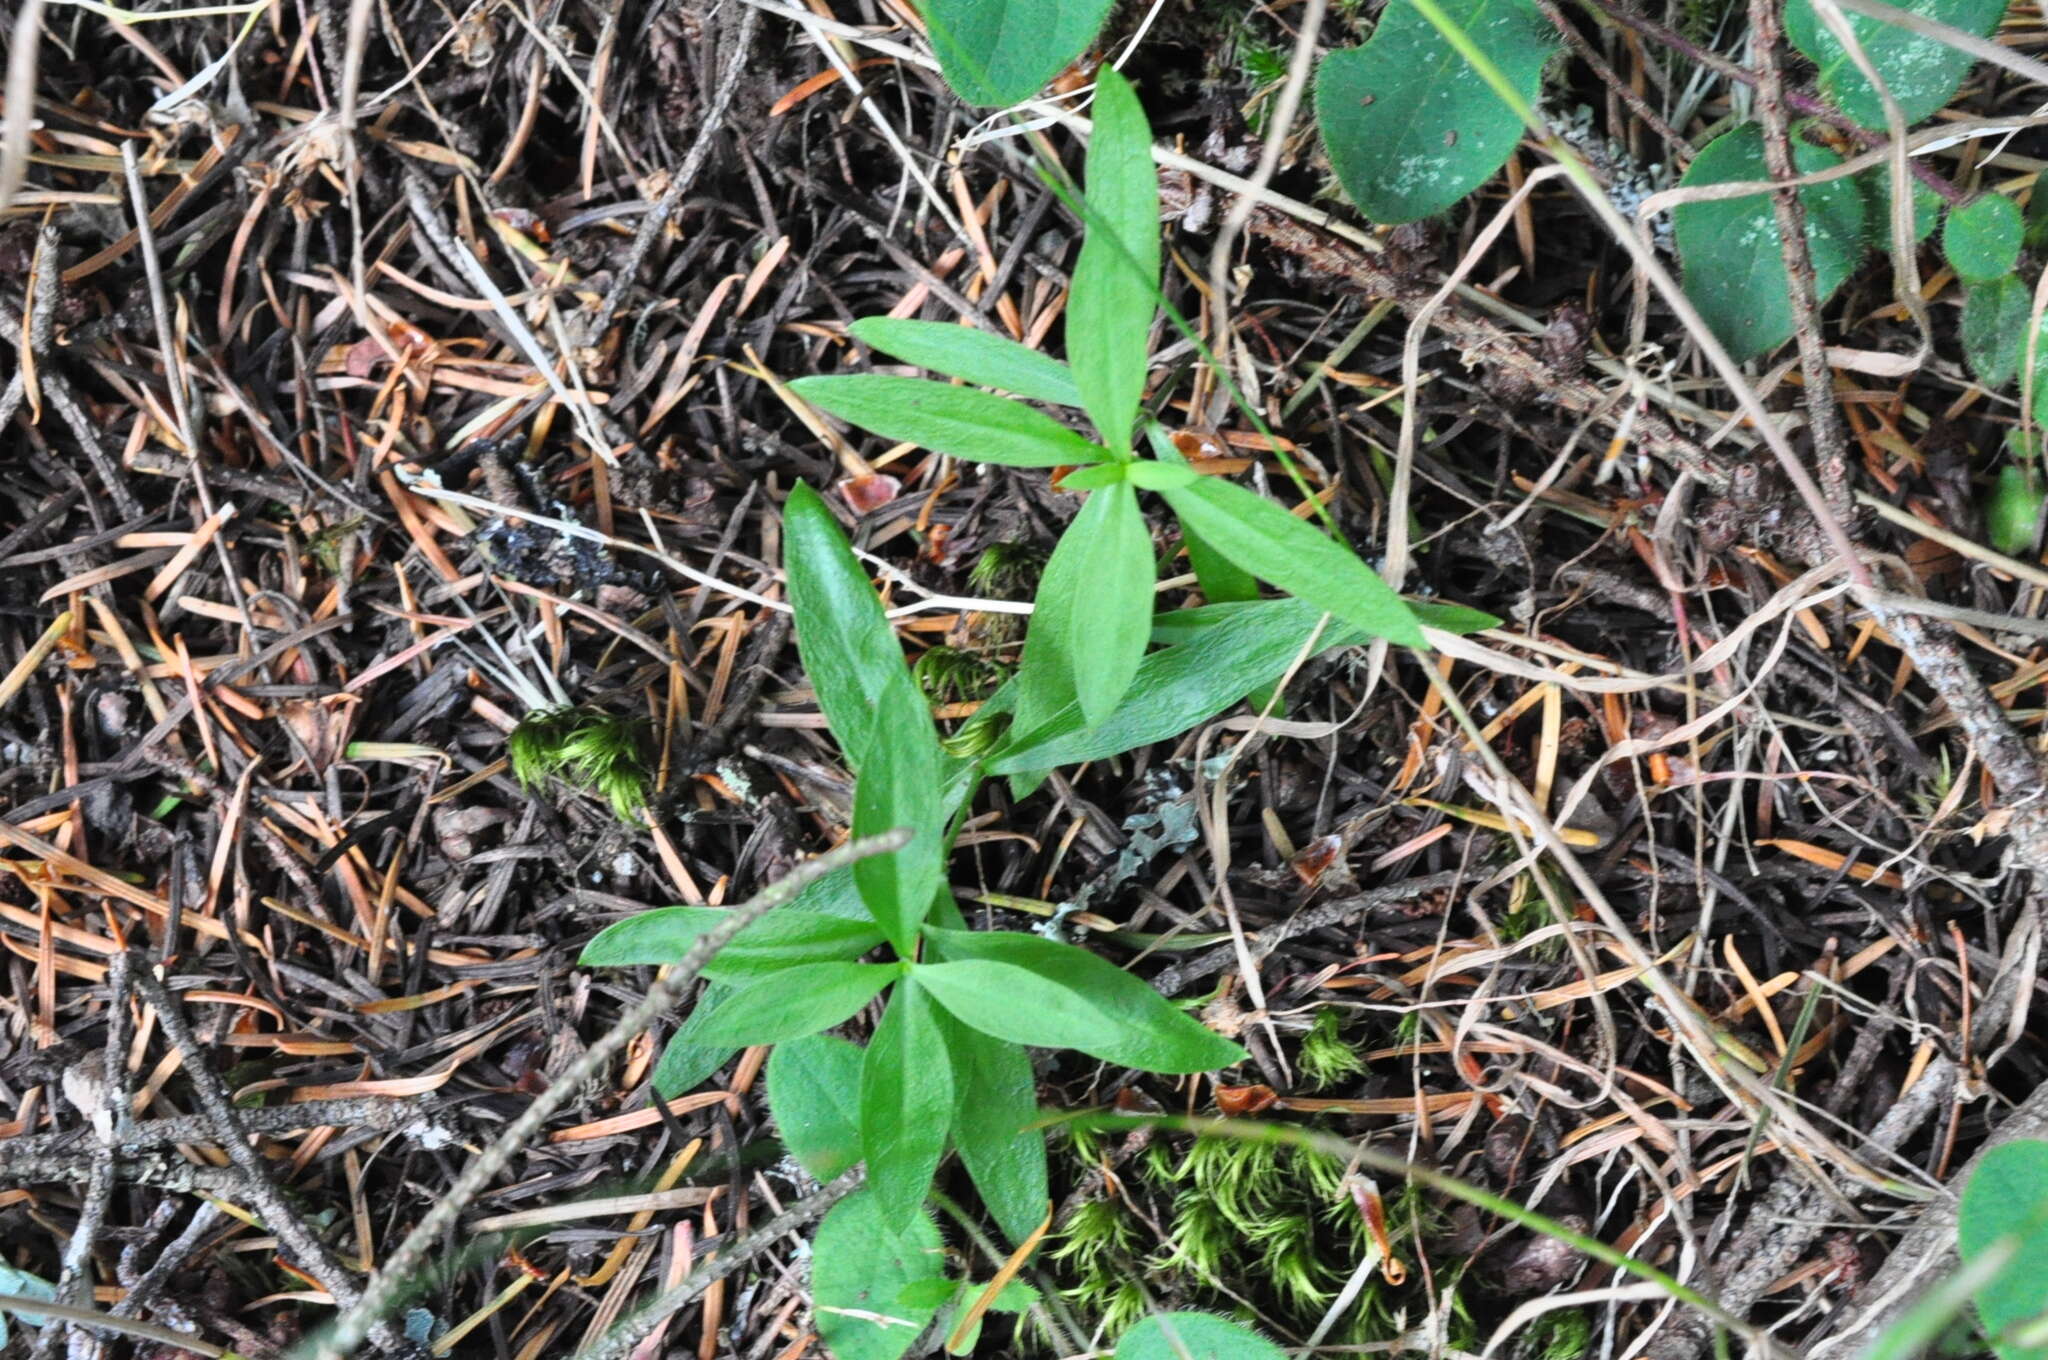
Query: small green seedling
{"x": 587, "y": 747}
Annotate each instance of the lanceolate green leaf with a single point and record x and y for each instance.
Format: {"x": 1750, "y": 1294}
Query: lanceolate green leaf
{"x": 775, "y": 941}
{"x": 1000, "y": 51}
{"x": 1734, "y": 269}
{"x": 995, "y": 1100}
{"x": 1922, "y": 73}
{"x": 1033, "y": 991}
{"x": 794, "y": 1002}
{"x": 687, "y": 1061}
{"x": 906, "y": 1103}
{"x": 1094, "y": 613}
{"x": 814, "y": 1090}
{"x": 901, "y": 787}
{"x": 875, "y": 710}
{"x": 862, "y": 1264}
{"x": 946, "y": 419}
{"x": 1116, "y": 278}
{"x": 1194, "y": 1336}
{"x": 977, "y": 356}
{"x": 848, "y": 650}
{"x": 1409, "y": 126}
{"x": 1271, "y": 544}
{"x": 1174, "y": 689}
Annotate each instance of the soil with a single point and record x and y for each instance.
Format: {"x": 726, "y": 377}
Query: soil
{"x": 561, "y": 262}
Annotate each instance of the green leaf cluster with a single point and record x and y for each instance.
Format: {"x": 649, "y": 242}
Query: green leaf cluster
{"x": 946, "y": 1067}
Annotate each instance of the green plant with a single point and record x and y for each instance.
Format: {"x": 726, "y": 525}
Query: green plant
{"x": 1326, "y": 1058}
{"x": 1734, "y": 270}
{"x": 945, "y": 1065}
{"x": 1092, "y": 622}
{"x": 589, "y": 748}
{"x": 2005, "y": 1210}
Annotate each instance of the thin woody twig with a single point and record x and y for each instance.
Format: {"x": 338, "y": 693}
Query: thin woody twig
{"x": 628, "y": 1332}
{"x": 312, "y": 1253}
{"x": 360, "y": 1317}
{"x": 1823, "y": 416}
{"x": 685, "y": 178}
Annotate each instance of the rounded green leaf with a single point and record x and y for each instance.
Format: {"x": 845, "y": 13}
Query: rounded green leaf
{"x": 1922, "y": 73}
{"x": 1000, "y": 51}
{"x": 861, "y": 1267}
{"x": 1409, "y": 126}
{"x": 2008, "y": 1196}
{"x": 1982, "y": 238}
{"x": 1194, "y": 1336}
{"x": 2012, "y": 515}
{"x": 1995, "y": 328}
{"x": 1877, "y": 198}
{"x": 813, "y": 1088}
{"x": 1734, "y": 266}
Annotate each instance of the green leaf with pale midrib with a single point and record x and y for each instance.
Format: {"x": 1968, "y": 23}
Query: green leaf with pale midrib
{"x": 1116, "y": 278}
{"x": 793, "y": 1002}
{"x": 976, "y": 356}
{"x": 959, "y": 421}
{"x": 1275, "y": 546}
{"x": 1094, "y": 613}
{"x": 782, "y": 938}
{"x": 1033, "y": 991}
{"x": 874, "y": 709}
{"x": 906, "y": 1102}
